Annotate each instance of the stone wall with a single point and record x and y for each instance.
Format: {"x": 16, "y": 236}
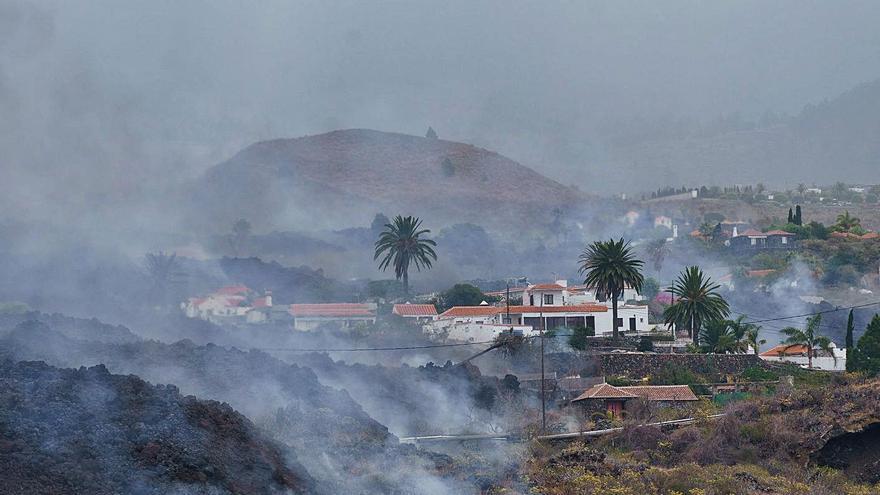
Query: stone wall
{"x": 640, "y": 365}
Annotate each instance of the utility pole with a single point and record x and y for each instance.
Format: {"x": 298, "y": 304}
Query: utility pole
{"x": 543, "y": 383}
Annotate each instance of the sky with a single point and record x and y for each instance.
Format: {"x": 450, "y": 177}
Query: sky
{"x": 102, "y": 99}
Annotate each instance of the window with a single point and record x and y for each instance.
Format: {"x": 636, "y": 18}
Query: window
{"x": 784, "y": 240}
{"x": 619, "y": 322}
{"x": 548, "y": 298}
{"x": 531, "y": 300}
{"x": 754, "y": 241}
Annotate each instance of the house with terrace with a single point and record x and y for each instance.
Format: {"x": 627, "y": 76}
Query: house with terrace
{"x": 755, "y": 240}
{"x": 307, "y": 317}
{"x": 546, "y": 307}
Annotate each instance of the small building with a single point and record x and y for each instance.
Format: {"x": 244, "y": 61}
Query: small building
{"x": 420, "y": 313}
{"x": 308, "y": 317}
{"x": 604, "y": 397}
{"x": 754, "y": 240}
{"x": 797, "y": 354}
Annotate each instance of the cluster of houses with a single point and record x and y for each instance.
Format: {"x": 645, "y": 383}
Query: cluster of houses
{"x": 238, "y": 304}
{"x": 542, "y": 307}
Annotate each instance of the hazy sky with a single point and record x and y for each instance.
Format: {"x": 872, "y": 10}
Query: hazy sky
{"x": 102, "y": 97}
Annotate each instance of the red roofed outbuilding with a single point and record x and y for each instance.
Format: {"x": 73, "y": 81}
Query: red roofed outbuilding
{"x": 308, "y": 317}
{"x": 419, "y": 312}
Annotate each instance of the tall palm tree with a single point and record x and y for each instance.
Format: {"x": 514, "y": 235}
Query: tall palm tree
{"x": 746, "y": 334}
{"x": 751, "y": 338}
{"x": 609, "y": 267}
{"x": 657, "y": 251}
{"x": 809, "y": 338}
{"x": 697, "y": 302}
{"x": 165, "y": 272}
{"x": 846, "y": 222}
{"x": 401, "y": 244}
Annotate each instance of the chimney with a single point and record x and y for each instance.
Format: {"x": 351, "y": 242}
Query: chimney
{"x": 735, "y": 232}
{"x": 675, "y": 231}
{"x": 268, "y": 295}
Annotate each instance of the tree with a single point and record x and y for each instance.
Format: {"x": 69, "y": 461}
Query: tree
{"x": 798, "y": 219}
{"x": 165, "y": 272}
{"x": 609, "y": 267}
{"x": 790, "y": 216}
{"x": 402, "y": 244}
{"x": 849, "y": 331}
{"x": 447, "y": 167}
{"x": 696, "y": 302}
{"x": 846, "y": 222}
{"x": 865, "y": 357}
{"x": 378, "y": 224}
{"x": 462, "y": 295}
{"x": 808, "y": 338}
{"x": 717, "y": 337}
{"x": 839, "y": 190}
{"x": 657, "y": 250}
{"x": 579, "y": 337}
{"x": 751, "y": 338}
{"x": 801, "y": 188}
{"x": 241, "y": 231}
{"x": 431, "y": 134}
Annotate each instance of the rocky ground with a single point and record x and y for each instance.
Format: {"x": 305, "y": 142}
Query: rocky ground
{"x": 72, "y": 431}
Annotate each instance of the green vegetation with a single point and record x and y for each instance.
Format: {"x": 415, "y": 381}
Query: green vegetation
{"x": 462, "y": 295}
{"x": 696, "y": 302}
{"x": 610, "y": 267}
{"x": 402, "y": 244}
{"x": 865, "y": 358}
{"x": 579, "y": 337}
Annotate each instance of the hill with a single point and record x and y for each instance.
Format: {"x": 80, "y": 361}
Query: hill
{"x": 343, "y": 178}
{"x": 833, "y": 141}
{"x": 87, "y": 431}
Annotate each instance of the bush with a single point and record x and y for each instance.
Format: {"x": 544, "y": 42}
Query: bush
{"x": 758, "y": 374}
{"x": 580, "y": 337}
{"x": 674, "y": 374}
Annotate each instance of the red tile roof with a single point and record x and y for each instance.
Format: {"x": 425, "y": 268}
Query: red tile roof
{"x": 231, "y": 290}
{"x": 464, "y": 311}
{"x": 604, "y": 391}
{"x": 760, "y": 273}
{"x": 575, "y": 308}
{"x": 546, "y": 287}
{"x": 261, "y": 302}
{"x": 871, "y": 235}
{"x": 844, "y": 235}
{"x": 331, "y": 310}
{"x": 414, "y": 310}
{"x": 778, "y": 232}
{"x": 669, "y": 393}
{"x": 786, "y": 350}
{"x": 752, "y": 233}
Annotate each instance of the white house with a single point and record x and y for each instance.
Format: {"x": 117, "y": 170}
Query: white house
{"x": 797, "y": 354}
{"x": 662, "y": 221}
{"x": 416, "y": 312}
{"x": 226, "y": 304}
{"x": 555, "y": 305}
{"x": 307, "y": 317}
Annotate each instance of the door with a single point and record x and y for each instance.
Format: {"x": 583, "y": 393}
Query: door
{"x": 615, "y": 407}
{"x": 632, "y": 324}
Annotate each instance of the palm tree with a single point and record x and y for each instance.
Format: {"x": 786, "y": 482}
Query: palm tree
{"x": 717, "y": 337}
{"x": 846, "y": 223}
{"x": 609, "y": 267}
{"x": 808, "y": 338}
{"x": 165, "y": 272}
{"x": 697, "y": 301}
{"x": 746, "y": 334}
{"x": 751, "y": 338}
{"x": 401, "y": 244}
{"x": 657, "y": 251}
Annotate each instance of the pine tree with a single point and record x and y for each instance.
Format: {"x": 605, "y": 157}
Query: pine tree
{"x": 849, "y": 331}
{"x": 431, "y": 134}
{"x": 798, "y": 220}
{"x": 790, "y": 216}
{"x": 866, "y": 355}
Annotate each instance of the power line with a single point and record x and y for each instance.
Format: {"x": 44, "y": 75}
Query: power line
{"x": 815, "y": 313}
{"x": 400, "y": 348}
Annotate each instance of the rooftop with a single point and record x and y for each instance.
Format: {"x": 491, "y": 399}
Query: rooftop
{"x": 669, "y": 393}
{"x": 332, "y": 310}
{"x": 414, "y": 310}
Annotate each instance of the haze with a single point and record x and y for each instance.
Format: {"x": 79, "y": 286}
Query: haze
{"x": 103, "y": 99}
